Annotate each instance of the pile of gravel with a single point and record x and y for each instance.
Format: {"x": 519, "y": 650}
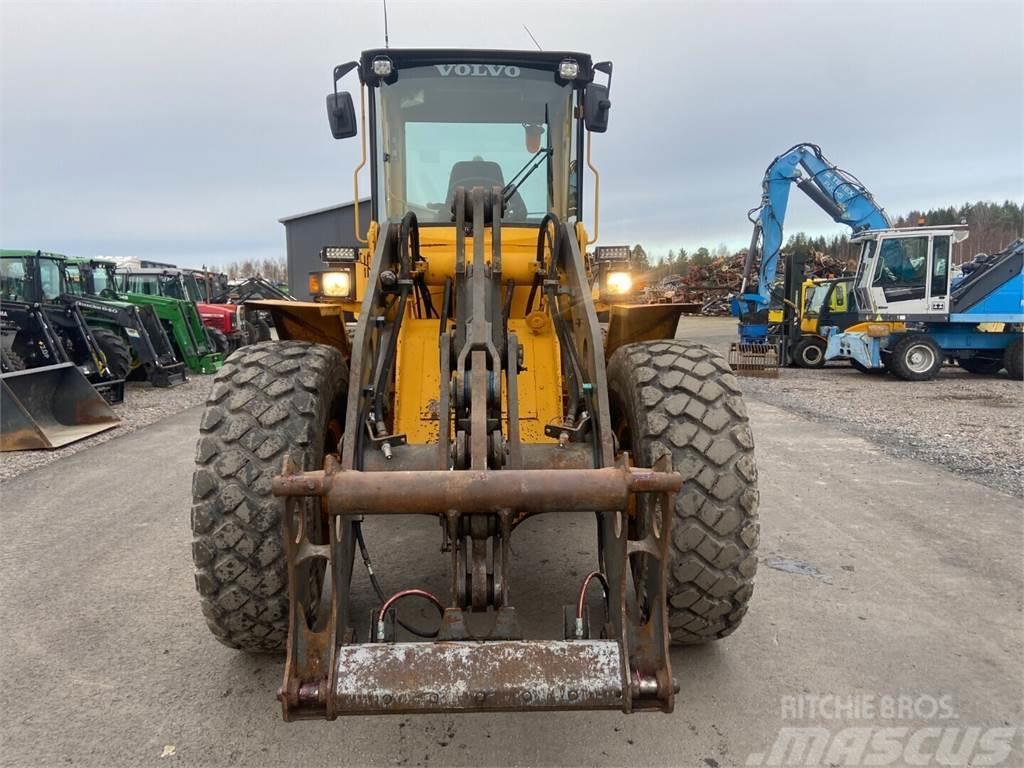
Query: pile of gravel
{"x": 973, "y": 425}
{"x": 143, "y": 404}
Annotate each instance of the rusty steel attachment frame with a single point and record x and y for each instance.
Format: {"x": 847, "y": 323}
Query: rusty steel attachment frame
{"x": 480, "y": 481}
{"x": 755, "y": 359}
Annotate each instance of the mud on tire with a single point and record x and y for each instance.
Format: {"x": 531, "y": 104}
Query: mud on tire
{"x": 268, "y": 400}
{"x": 680, "y": 398}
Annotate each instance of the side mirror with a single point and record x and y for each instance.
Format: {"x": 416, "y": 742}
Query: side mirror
{"x": 596, "y": 106}
{"x": 341, "y": 114}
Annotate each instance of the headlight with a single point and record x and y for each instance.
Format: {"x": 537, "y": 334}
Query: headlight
{"x": 619, "y": 282}
{"x": 334, "y": 285}
{"x": 568, "y": 69}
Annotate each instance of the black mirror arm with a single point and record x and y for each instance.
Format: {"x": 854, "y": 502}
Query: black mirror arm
{"x": 606, "y": 67}
{"x": 340, "y": 71}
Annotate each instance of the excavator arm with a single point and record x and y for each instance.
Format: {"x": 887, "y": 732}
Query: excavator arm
{"x": 837, "y": 192}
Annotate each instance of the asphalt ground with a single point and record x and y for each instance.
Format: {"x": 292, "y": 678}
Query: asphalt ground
{"x": 889, "y": 596}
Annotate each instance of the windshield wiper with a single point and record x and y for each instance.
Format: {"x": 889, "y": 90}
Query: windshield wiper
{"x": 510, "y": 189}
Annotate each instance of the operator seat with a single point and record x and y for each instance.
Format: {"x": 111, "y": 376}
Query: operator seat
{"x": 481, "y": 173}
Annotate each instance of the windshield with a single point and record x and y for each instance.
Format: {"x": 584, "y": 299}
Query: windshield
{"x": 441, "y": 128}
{"x": 170, "y": 285}
{"x": 103, "y": 279}
{"x": 815, "y": 298}
{"x": 50, "y": 282}
{"x": 201, "y": 287}
{"x": 192, "y": 286}
{"x": 12, "y": 279}
{"x": 73, "y": 277}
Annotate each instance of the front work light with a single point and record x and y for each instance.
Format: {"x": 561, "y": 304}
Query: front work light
{"x": 338, "y": 253}
{"x": 612, "y": 252}
{"x": 619, "y": 282}
{"x": 383, "y": 67}
{"x": 568, "y": 69}
{"x": 336, "y": 285}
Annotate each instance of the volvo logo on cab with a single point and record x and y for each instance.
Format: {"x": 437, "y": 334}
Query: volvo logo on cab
{"x": 478, "y": 70}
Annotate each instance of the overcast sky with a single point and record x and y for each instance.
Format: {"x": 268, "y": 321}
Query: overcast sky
{"x": 184, "y": 131}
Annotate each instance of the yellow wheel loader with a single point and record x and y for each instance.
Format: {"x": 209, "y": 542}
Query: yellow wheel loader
{"x": 455, "y": 367}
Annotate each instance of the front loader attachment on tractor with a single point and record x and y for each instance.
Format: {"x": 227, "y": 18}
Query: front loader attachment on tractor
{"x": 49, "y": 407}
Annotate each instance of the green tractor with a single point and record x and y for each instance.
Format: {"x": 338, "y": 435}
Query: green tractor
{"x": 145, "y": 346}
{"x": 41, "y": 328}
{"x": 180, "y": 317}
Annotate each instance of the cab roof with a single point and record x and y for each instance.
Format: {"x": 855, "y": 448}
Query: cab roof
{"x": 17, "y": 253}
{"x": 421, "y": 57}
{"x": 874, "y": 234}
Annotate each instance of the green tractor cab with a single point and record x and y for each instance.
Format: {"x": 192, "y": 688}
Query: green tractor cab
{"x": 179, "y": 316}
{"x": 144, "y": 345}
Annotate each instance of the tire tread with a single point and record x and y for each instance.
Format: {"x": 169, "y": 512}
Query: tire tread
{"x": 691, "y": 407}
{"x": 269, "y": 400}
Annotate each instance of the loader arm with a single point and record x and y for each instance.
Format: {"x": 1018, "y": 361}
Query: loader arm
{"x": 480, "y": 487}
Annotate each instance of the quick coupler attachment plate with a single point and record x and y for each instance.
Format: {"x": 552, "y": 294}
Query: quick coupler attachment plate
{"x": 388, "y": 678}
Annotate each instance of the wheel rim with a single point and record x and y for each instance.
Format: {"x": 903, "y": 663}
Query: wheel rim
{"x": 920, "y": 358}
{"x": 812, "y": 354}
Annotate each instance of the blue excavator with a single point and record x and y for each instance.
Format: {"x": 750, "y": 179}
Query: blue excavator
{"x": 912, "y": 313}
{"x": 764, "y": 342}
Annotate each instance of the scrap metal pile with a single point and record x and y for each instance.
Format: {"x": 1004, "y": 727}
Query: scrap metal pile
{"x": 708, "y": 287}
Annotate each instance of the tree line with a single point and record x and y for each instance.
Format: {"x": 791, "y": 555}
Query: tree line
{"x": 274, "y": 270}
{"x": 993, "y": 226}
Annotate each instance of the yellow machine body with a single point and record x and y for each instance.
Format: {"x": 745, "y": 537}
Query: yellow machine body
{"x": 417, "y": 368}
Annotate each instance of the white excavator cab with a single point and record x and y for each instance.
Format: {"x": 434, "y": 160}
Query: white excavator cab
{"x": 904, "y": 274}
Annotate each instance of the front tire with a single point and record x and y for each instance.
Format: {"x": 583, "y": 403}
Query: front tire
{"x": 10, "y": 361}
{"x": 916, "y": 357}
{"x": 115, "y": 350}
{"x": 682, "y": 399}
{"x": 269, "y": 400}
{"x": 219, "y": 341}
{"x": 809, "y": 352}
{"x": 1013, "y": 358}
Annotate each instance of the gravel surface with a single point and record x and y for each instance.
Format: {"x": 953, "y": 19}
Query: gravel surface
{"x": 973, "y": 425}
{"x": 143, "y": 404}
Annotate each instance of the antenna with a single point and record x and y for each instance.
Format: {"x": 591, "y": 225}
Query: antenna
{"x": 386, "y": 45}
{"x": 532, "y": 37}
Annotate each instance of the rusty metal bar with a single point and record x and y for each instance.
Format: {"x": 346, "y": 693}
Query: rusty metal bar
{"x": 470, "y": 676}
{"x": 477, "y": 491}
{"x": 533, "y": 456}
